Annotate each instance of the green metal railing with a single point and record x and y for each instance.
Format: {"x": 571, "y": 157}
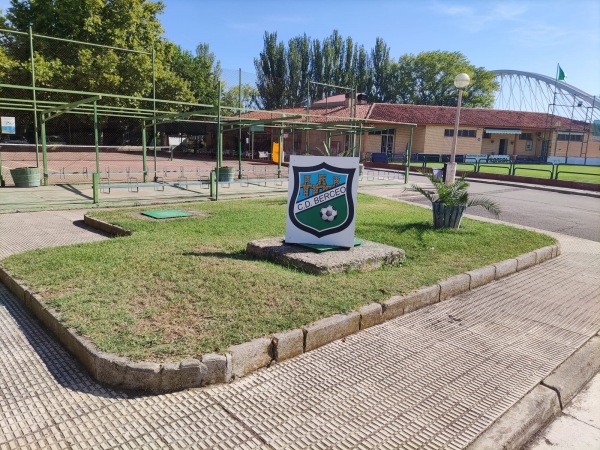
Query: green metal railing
{"x": 557, "y": 171}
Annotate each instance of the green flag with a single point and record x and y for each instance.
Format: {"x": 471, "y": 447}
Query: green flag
{"x": 561, "y": 74}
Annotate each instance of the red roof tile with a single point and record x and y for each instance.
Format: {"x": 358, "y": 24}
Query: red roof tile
{"x": 475, "y": 117}
{"x": 428, "y": 115}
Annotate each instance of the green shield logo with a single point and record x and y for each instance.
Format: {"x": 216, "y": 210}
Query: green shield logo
{"x": 322, "y": 201}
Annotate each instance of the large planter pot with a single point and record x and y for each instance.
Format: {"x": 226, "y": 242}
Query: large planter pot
{"x": 226, "y": 174}
{"x": 26, "y": 176}
{"x": 445, "y": 216}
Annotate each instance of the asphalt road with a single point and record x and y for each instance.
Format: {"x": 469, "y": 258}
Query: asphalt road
{"x": 566, "y": 213}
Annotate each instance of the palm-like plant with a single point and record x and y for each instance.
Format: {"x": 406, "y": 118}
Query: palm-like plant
{"x": 455, "y": 195}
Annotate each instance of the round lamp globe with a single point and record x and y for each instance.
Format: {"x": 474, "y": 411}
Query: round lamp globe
{"x": 462, "y": 80}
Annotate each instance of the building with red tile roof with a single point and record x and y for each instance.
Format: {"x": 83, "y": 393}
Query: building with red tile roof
{"x": 391, "y": 128}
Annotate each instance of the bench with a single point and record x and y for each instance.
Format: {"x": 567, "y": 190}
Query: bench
{"x": 498, "y": 159}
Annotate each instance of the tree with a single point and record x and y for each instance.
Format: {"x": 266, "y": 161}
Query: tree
{"x": 361, "y": 70}
{"x": 202, "y": 70}
{"x": 298, "y": 60}
{"x": 249, "y": 97}
{"x": 271, "y": 71}
{"x": 428, "y": 79}
{"x": 382, "y": 73}
{"x": 112, "y": 24}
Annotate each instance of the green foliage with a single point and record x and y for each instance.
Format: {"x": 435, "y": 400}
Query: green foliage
{"x": 249, "y": 97}
{"x": 272, "y": 72}
{"x": 455, "y": 194}
{"x": 131, "y": 24}
{"x": 382, "y": 73}
{"x": 425, "y": 79}
{"x": 201, "y": 70}
{"x": 428, "y": 79}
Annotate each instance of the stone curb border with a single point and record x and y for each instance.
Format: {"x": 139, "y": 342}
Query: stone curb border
{"x": 243, "y": 359}
{"x": 544, "y": 402}
{"x": 109, "y": 228}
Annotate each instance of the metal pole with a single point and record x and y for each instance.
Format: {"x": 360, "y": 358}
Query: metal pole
{"x": 95, "y": 180}
{"x": 154, "y": 112}
{"x": 95, "y": 138}
{"x": 451, "y": 169}
{"x": 408, "y": 152}
{"x": 570, "y": 130}
{"x": 44, "y": 153}
{"x": 2, "y": 182}
{"x": 306, "y": 133}
{"x": 219, "y": 133}
{"x": 144, "y": 159}
{"x": 360, "y": 141}
{"x": 219, "y": 145}
{"x": 280, "y": 153}
{"x": 35, "y": 120}
{"x": 240, "y": 130}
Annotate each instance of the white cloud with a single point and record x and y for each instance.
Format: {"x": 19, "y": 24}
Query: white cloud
{"x": 475, "y": 19}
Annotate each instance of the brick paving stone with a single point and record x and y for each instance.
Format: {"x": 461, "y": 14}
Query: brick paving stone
{"x": 434, "y": 378}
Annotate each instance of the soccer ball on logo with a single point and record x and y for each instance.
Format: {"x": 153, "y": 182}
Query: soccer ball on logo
{"x": 328, "y": 213}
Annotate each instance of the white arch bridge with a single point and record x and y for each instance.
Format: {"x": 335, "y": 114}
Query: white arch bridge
{"x": 527, "y": 91}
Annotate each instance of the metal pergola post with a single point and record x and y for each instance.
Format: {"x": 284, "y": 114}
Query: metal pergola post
{"x": 240, "y": 130}
{"x": 34, "y": 97}
{"x": 219, "y": 144}
{"x": 144, "y": 158}
{"x": 280, "y": 156}
{"x": 97, "y": 147}
{"x": 360, "y": 140}
{"x": 154, "y": 113}
{"x": 44, "y": 153}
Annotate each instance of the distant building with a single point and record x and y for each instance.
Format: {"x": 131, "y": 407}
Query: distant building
{"x": 527, "y": 135}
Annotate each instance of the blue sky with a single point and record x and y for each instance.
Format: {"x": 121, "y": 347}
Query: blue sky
{"x": 528, "y": 35}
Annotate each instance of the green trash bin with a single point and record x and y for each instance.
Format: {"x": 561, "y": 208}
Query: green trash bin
{"x": 26, "y": 176}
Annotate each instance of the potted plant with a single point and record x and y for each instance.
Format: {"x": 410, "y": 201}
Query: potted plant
{"x": 450, "y": 201}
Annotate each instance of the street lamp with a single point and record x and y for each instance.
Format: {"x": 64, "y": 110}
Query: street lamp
{"x": 461, "y": 81}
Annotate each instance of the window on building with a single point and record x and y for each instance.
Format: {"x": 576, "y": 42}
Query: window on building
{"x": 388, "y": 131}
{"x": 487, "y": 135}
{"x": 387, "y": 139}
{"x": 387, "y": 143}
{"x": 570, "y": 137}
{"x": 525, "y": 137}
{"x": 449, "y": 132}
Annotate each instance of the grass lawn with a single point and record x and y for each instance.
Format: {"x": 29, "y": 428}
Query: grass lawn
{"x": 185, "y": 287}
{"x": 587, "y": 174}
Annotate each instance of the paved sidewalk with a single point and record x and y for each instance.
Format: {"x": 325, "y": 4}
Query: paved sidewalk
{"x": 30, "y": 230}
{"x": 435, "y": 378}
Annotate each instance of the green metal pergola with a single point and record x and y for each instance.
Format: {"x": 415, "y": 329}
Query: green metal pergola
{"x": 97, "y": 104}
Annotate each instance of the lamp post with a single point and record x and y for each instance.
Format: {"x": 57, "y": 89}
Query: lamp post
{"x": 461, "y": 81}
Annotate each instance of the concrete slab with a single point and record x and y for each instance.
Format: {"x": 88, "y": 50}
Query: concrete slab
{"x": 567, "y": 433}
{"x": 574, "y": 373}
{"x": 368, "y": 256}
{"x": 585, "y": 407}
